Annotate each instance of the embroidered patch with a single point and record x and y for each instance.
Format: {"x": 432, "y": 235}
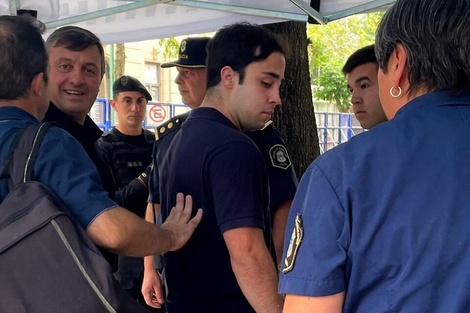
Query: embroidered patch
{"x": 124, "y": 80}
{"x": 295, "y": 240}
{"x": 279, "y": 157}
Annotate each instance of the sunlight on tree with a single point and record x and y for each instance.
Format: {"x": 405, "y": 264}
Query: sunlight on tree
{"x": 331, "y": 45}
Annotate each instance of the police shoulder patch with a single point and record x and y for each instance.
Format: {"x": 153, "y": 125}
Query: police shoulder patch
{"x": 294, "y": 244}
{"x": 279, "y": 157}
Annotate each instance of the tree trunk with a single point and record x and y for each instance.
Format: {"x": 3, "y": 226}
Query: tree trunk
{"x": 119, "y": 61}
{"x": 296, "y": 117}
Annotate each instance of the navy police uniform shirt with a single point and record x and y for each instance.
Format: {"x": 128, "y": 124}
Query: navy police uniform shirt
{"x": 224, "y": 172}
{"x": 384, "y": 217}
{"x": 164, "y": 135}
{"x": 282, "y": 179}
{"x": 61, "y": 164}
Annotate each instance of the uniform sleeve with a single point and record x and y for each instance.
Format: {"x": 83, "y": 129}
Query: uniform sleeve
{"x": 133, "y": 196}
{"x": 314, "y": 264}
{"x": 239, "y": 186}
{"x": 63, "y": 165}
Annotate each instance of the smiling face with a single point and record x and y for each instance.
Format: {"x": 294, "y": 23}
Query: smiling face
{"x": 252, "y": 103}
{"x": 363, "y": 85}
{"x": 191, "y": 85}
{"x": 74, "y": 80}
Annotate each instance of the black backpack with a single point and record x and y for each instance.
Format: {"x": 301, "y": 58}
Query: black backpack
{"x": 47, "y": 261}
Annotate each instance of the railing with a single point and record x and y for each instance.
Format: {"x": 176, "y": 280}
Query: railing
{"x": 335, "y": 128}
{"x": 156, "y": 114}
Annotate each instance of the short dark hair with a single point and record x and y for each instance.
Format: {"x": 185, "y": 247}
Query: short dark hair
{"x": 438, "y": 48}
{"x": 22, "y": 55}
{"x": 359, "y": 57}
{"x": 75, "y": 38}
{"x": 237, "y": 46}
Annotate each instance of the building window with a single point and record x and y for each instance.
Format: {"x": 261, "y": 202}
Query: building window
{"x": 152, "y": 79}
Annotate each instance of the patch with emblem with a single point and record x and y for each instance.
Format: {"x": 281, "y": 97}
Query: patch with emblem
{"x": 294, "y": 244}
{"x": 124, "y": 80}
{"x": 279, "y": 157}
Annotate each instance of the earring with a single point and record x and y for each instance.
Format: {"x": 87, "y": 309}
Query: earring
{"x": 397, "y": 95}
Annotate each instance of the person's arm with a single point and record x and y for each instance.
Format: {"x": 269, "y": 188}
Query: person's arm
{"x": 279, "y": 228}
{"x": 254, "y": 268}
{"x": 123, "y": 232}
{"x": 152, "y": 283}
{"x": 135, "y": 192}
{"x": 305, "y": 304}
{"x": 131, "y": 196}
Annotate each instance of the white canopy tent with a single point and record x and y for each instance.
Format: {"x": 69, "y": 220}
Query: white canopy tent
{"x": 117, "y": 21}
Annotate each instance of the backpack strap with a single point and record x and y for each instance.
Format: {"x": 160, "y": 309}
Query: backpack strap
{"x": 24, "y": 150}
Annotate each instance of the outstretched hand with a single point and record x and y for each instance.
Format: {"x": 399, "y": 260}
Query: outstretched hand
{"x": 180, "y": 223}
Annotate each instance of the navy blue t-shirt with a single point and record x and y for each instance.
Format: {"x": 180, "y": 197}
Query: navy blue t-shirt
{"x": 281, "y": 175}
{"x": 224, "y": 172}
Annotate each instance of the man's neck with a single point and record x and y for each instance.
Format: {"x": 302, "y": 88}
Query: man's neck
{"x": 23, "y": 104}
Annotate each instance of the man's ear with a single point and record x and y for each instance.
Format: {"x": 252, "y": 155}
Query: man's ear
{"x": 228, "y": 77}
{"x": 397, "y": 66}
{"x": 38, "y": 85}
{"x": 113, "y": 103}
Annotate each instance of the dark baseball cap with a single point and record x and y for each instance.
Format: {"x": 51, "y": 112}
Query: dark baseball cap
{"x": 129, "y": 83}
{"x": 192, "y": 53}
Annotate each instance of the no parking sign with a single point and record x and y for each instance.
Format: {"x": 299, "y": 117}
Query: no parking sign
{"x": 157, "y": 113}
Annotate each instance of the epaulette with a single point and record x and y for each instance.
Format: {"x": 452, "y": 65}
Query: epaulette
{"x": 173, "y": 123}
{"x": 267, "y": 124}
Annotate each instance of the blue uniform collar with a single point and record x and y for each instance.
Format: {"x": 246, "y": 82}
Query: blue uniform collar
{"x": 436, "y": 98}
{"x": 212, "y": 114}
{"x": 15, "y": 113}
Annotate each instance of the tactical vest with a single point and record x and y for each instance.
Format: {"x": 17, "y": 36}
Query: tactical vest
{"x": 130, "y": 155}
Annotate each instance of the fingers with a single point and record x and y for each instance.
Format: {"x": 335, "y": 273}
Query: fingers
{"x": 188, "y": 208}
{"x": 150, "y": 299}
{"x": 159, "y": 296}
{"x": 197, "y": 218}
{"x": 176, "y": 211}
{"x": 182, "y": 210}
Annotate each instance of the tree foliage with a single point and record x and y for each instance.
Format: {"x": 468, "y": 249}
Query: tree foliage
{"x": 331, "y": 45}
{"x": 330, "y": 86}
{"x": 170, "y": 47}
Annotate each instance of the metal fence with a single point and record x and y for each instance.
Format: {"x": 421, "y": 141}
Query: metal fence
{"x": 157, "y": 113}
{"x": 335, "y": 128}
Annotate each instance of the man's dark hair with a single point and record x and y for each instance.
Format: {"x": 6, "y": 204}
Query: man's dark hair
{"x": 75, "y": 38}
{"x": 22, "y": 55}
{"x": 359, "y": 57}
{"x": 237, "y": 46}
{"x": 437, "y": 48}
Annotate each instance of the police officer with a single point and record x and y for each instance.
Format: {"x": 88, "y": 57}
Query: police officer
{"x": 191, "y": 81}
{"x": 126, "y": 149}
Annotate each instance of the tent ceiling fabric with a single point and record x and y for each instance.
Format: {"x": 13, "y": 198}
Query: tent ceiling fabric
{"x": 117, "y": 21}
